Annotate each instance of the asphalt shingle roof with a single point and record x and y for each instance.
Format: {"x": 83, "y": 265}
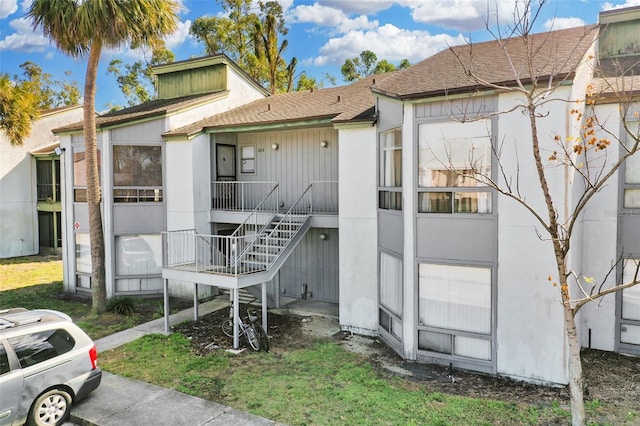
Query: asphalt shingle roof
{"x": 350, "y": 103}
{"x": 147, "y": 109}
{"x": 554, "y": 53}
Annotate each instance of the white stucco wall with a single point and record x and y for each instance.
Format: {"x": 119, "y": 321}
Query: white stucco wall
{"x": 18, "y": 199}
{"x": 530, "y": 329}
{"x": 358, "y": 230}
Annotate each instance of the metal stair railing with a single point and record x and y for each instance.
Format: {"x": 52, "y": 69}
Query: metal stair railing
{"x": 271, "y": 241}
{"x": 255, "y": 218}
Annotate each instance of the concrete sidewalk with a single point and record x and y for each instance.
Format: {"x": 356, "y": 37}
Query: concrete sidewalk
{"x": 121, "y": 401}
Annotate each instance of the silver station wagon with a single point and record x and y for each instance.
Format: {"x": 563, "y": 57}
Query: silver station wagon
{"x": 47, "y": 363}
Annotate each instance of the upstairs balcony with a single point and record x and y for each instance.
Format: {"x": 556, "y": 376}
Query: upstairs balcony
{"x": 233, "y": 201}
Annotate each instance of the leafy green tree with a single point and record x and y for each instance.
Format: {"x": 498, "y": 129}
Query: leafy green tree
{"x": 367, "y": 64}
{"x": 51, "y": 93}
{"x": 18, "y": 109}
{"x": 135, "y": 80}
{"x": 306, "y": 83}
{"x": 82, "y": 29}
{"x": 251, "y": 40}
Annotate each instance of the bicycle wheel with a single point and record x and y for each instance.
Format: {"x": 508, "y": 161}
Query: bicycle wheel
{"x": 252, "y": 337}
{"x": 227, "y": 328}
{"x": 262, "y": 337}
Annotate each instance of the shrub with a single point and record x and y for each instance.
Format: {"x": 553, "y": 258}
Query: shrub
{"x": 122, "y": 305}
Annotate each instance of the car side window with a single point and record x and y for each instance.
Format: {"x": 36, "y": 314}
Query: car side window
{"x": 38, "y": 347}
{"x": 4, "y": 360}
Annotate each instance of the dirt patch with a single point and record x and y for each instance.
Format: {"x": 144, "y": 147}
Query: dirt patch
{"x": 612, "y": 381}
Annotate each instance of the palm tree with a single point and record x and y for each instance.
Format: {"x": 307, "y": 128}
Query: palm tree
{"x": 83, "y": 28}
{"x": 18, "y": 109}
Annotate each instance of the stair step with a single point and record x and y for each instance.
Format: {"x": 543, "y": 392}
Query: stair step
{"x": 259, "y": 253}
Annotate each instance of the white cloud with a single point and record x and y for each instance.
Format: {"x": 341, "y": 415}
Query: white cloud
{"x": 24, "y": 39}
{"x": 360, "y": 6}
{"x": 462, "y": 15}
{"x": 387, "y": 42}
{"x": 175, "y": 40}
{"x": 628, "y": 3}
{"x": 329, "y": 17}
{"x": 7, "y": 7}
{"x": 562, "y": 23}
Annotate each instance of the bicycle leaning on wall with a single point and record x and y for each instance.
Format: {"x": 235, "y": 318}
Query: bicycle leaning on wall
{"x": 249, "y": 327}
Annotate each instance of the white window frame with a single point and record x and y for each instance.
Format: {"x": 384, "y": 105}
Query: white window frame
{"x": 450, "y": 146}
{"x": 442, "y": 329}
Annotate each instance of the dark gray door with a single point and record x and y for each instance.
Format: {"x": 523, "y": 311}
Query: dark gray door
{"x": 225, "y": 162}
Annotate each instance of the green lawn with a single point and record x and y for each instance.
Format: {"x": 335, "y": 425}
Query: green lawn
{"x": 35, "y": 282}
{"x": 321, "y": 385}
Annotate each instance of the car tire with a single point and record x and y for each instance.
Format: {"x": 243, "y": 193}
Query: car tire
{"x": 51, "y": 408}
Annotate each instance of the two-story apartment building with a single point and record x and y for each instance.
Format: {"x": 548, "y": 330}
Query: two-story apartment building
{"x": 30, "y": 192}
{"x": 357, "y": 195}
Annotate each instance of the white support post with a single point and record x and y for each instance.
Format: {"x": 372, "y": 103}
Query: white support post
{"x": 166, "y": 305}
{"x": 195, "y": 302}
{"x": 236, "y": 314}
{"x": 264, "y": 306}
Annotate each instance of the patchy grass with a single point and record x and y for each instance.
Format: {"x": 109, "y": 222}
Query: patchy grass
{"x": 19, "y": 272}
{"x": 35, "y": 282}
{"x": 323, "y": 384}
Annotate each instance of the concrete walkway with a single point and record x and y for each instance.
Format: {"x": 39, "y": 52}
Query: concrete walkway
{"x": 122, "y": 402}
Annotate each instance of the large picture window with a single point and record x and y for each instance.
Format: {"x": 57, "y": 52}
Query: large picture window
{"x": 138, "y": 263}
{"x": 452, "y": 159}
{"x": 390, "y": 170}
{"x": 455, "y": 310}
{"x": 391, "y": 285}
{"x": 137, "y": 174}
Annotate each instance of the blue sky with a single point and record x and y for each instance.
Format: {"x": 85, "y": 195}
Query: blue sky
{"x": 322, "y": 33}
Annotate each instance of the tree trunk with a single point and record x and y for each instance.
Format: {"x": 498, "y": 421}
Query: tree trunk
{"x": 94, "y": 197}
{"x": 575, "y": 368}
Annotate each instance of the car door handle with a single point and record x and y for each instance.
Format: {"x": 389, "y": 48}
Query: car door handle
{"x": 5, "y": 415}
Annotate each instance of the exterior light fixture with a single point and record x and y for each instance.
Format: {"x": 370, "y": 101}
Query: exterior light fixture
{"x": 59, "y": 151}
{"x": 323, "y": 236}
{"x": 274, "y": 146}
{"x": 324, "y": 144}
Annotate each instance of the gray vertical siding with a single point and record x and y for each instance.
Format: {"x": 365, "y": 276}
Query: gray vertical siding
{"x": 298, "y": 161}
{"x": 314, "y": 262}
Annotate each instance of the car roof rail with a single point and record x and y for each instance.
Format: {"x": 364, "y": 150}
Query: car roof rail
{"x": 7, "y": 323}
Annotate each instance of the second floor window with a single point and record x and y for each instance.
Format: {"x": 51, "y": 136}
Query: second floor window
{"x": 632, "y": 179}
{"x": 452, "y": 159}
{"x": 137, "y": 174}
{"x": 390, "y": 170}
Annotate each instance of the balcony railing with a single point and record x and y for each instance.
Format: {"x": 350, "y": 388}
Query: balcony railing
{"x": 216, "y": 254}
{"x": 242, "y": 196}
{"x": 246, "y": 196}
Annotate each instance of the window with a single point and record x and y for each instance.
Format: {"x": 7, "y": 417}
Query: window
{"x": 83, "y": 260}
{"x": 80, "y": 174}
{"x": 32, "y": 349}
{"x": 248, "y": 159}
{"x": 4, "y": 360}
{"x": 138, "y": 255}
{"x": 632, "y": 180}
{"x": 390, "y": 171}
{"x": 452, "y": 159}
{"x": 137, "y": 174}
{"x": 48, "y": 179}
{"x": 391, "y": 285}
{"x": 618, "y": 46}
{"x": 455, "y": 310}
{"x": 630, "y": 331}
